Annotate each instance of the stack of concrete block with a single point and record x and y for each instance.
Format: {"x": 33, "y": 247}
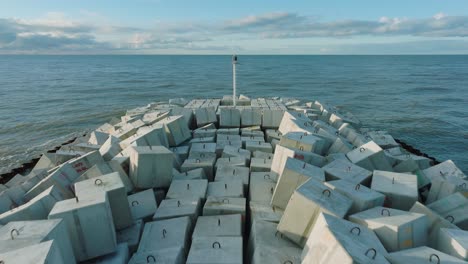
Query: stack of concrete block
{"x": 205, "y": 116}
{"x": 229, "y": 117}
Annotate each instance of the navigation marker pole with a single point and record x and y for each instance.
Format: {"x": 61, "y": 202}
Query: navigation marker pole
{"x": 234, "y": 62}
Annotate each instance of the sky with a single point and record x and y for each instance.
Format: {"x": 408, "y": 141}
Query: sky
{"x": 227, "y": 27}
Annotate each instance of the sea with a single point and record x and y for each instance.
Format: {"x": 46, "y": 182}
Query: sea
{"x": 46, "y": 100}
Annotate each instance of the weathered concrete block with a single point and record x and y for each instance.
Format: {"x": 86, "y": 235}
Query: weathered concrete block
{"x": 454, "y": 208}
{"x": 305, "y": 205}
{"x": 262, "y": 186}
{"x": 229, "y": 117}
{"x": 173, "y": 208}
{"x": 45, "y": 252}
{"x": 177, "y": 130}
{"x": 115, "y": 190}
{"x": 422, "y": 255}
{"x": 131, "y": 235}
{"x": 205, "y": 116}
{"x": 258, "y": 145}
{"x": 173, "y": 255}
{"x": 90, "y": 225}
{"x": 305, "y": 142}
{"x": 345, "y": 242}
{"x": 396, "y": 229}
{"x": 264, "y": 212}
{"x": 207, "y": 164}
{"x": 224, "y": 206}
{"x": 369, "y": 156}
{"x": 260, "y": 165}
{"x": 453, "y": 242}
{"x": 400, "y": 189}
{"x": 196, "y": 174}
{"x": 251, "y": 117}
{"x": 363, "y": 198}
{"x": 295, "y": 173}
{"x": 165, "y": 234}
{"x": 226, "y": 188}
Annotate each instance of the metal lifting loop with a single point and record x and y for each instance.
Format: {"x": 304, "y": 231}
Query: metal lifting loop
{"x": 76, "y": 198}
{"x": 326, "y": 191}
{"x": 225, "y": 200}
{"x": 150, "y": 257}
{"x": 98, "y": 182}
{"x": 288, "y": 262}
{"x": 178, "y": 203}
{"x": 393, "y": 180}
{"x": 451, "y": 217}
{"x": 219, "y": 222}
{"x": 164, "y": 232}
{"x": 301, "y": 148}
{"x": 188, "y": 186}
{"x": 197, "y": 160}
{"x": 216, "y": 243}
{"x": 304, "y": 165}
{"x": 266, "y": 176}
{"x": 463, "y": 185}
{"x": 14, "y": 230}
{"x": 357, "y": 187}
{"x": 355, "y": 228}
{"x": 362, "y": 149}
{"x": 434, "y": 256}
{"x": 373, "y": 250}
{"x": 385, "y": 210}
{"x": 135, "y": 203}
{"x": 225, "y": 186}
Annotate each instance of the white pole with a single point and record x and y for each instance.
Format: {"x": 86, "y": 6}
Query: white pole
{"x": 234, "y": 62}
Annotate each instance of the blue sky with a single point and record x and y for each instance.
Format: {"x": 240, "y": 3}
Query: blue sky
{"x": 224, "y": 27}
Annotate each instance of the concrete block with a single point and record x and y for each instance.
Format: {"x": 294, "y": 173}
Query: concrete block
{"x": 305, "y": 142}
{"x": 307, "y": 202}
{"x": 363, "y": 198}
{"x": 340, "y": 145}
{"x": 218, "y": 226}
{"x": 272, "y": 134}
{"x": 258, "y": 145}
{"x": 454, "y": 208}
{"x": 231, "y": 161}
{"x": 83, "y": 163}
{"x": 110, "y": 148}
{"x": 262, "y": 155}
{"x": 271, "y": 118}
{"x": 251, "y": 117}
{"x": 231, "y": 151}
{"x": 265, "y": 254}
{"x": 343, "y": 242}
{"x": 228, "y": 137}
{"x": 165, "y": 234}
{"x": 264, "y": 212}
{"x": 229, "y": 117}
{"x": 142, "y": 204}
{"x": 153, "y": 117}
{"x": 369, "y": 156}
{"x": 222, "y": 144}
{"x": 205, "y": 116}
{"x": 444, "y": 169}
{"x": 173, "y": 255}
{"x": 264, "y": 235}
{"x": 435, "y": 223}
{"x": 182, "y": 152}
{"x": 61, "y": 178}
{"x": 196, "y": 174}
{"x": 282, "y": 153}
{"x": 120, "y": 256}
{"x": 115, "y": 190}
{"x": 444, "y": 186}
{"x": 260, "y": 165}
{"x": 131, "y": 235}
{"x": 6, "y": 203}
{"x": 151, "y": 166}
{"x": 219, "y": 250}
{"x": 226, "y": 188}
{"x": 261, "y": 188}
{"x": 107, "y": 168}
{"x": 177, "y": 130}
{"x": 207, "y": 164}
{"x": 254, "y": 131}
{"x": 40, "y": 231}
{"x": 396, "y": 229}
{"x": 340, "y": 169}
{"x": 42, "y": 253}
{"x": 90, "y": 225}
{"x": 224, "y": 206}
{"x": 295, "y": 173}
{"x": 36, "y": 209}
{"x": 154, "y": 135}
{"x": 228, "y": 131}
{"x": 422, "y": 255}
{"x": 228, "y": 172}
{"x": 453, "y": 242}
{"x": 173, "y": 208}
{"x": 400, "y": 189}
{"x": 203, "y": 148}
{"x": 202, "y": 140}
{"x": 187, "y": 189}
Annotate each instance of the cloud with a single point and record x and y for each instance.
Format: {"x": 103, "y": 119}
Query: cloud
{"x": 57, "y": 33}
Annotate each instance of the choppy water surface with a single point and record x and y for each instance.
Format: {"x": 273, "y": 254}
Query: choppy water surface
{"x": 44, "y": 100}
